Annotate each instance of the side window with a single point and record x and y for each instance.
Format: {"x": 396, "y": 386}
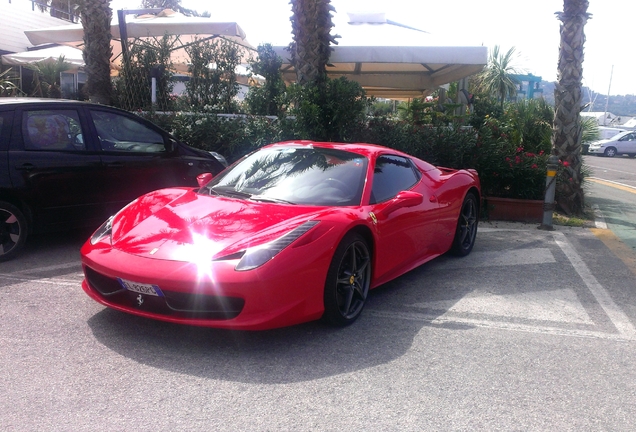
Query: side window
{"x": 392, "y": 175}
{"x": 5, "y": 126}
{"x": 119, "y": 133}
{"x": 46, "y": 130}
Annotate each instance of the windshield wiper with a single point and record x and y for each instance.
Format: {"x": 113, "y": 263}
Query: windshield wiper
{"x": 272, "y": 200}
{"x": 230, "y": 192}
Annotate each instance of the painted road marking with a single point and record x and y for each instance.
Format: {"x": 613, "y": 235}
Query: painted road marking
{"x": 500, "y": 325}
{"x": 549, "y": 306}
{"x": 615, "y": 314}
{"x": 51, "y": 267}
{"x": 599, "y": 219}
{"x": 615, "y": 185}
{"x": 561, "y": 305}
{"x": 52, "y": 281}
{"x": 499, "y": 258}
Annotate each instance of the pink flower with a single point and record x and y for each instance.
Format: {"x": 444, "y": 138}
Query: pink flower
{"x": 566, "y": 163}
{"x": 534, "y": 166}
{"x": 519, "y": 149}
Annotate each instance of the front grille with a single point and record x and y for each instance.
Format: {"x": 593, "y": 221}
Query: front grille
{"x": 174, "y": 304}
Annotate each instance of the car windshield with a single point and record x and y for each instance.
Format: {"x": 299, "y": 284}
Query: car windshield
{"x": 295, "y": 175}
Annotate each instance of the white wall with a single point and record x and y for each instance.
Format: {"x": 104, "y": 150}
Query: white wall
{"x": 17, "y": 16}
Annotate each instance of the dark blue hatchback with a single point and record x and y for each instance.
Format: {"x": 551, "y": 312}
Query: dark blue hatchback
{"x": 69, "y": 164}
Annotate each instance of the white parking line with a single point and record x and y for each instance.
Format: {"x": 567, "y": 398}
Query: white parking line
{"x": 501, "y": 325}
{"x": 549, "y": 306}
{"x": 51, "y": 267}
{"x": 52, "y": 281}
{"x": 616, "y": 315}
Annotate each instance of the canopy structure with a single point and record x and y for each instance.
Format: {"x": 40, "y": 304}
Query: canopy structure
{"x": 72, "y": 56}
{"x": 398, "y": 72}
{"x": 187, "y": 29}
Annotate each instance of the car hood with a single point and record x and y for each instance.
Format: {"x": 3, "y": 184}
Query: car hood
{"x": 600, "y": 142}
{"x": 181, "y": 225}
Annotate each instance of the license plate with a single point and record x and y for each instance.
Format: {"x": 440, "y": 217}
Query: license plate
{"x": 147, "y": 289}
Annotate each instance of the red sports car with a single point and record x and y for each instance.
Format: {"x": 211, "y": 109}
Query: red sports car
{"x": 291, "y": 233}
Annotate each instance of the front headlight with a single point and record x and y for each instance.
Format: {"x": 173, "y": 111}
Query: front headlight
{"x": 257, "y": 256}
{"x": 103, "y": 231}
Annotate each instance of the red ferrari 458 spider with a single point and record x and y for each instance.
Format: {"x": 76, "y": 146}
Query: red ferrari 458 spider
{"x": 293, "y": 232}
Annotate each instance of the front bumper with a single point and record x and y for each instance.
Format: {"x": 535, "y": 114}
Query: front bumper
{"x": 285, "y": 291}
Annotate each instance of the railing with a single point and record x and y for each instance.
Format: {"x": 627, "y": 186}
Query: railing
{"x": 60, "y": 9}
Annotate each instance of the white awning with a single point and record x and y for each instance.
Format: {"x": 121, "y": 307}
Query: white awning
{"x": 398, "y": 72}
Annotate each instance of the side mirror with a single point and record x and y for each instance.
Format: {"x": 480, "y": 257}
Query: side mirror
{"x": 171, "y": 144}
{"x": 408, "y": 199}
{"x": 402, "y": 200}
{"x": 204, "y": 179}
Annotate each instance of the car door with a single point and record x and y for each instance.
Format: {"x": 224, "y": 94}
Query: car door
{"x": 6, "y": 118}
{"x": 627, "y": 144}
{"x": 52, "y": 169}
{"x": 405, "y": 234}
{"x": 137, "y": 157}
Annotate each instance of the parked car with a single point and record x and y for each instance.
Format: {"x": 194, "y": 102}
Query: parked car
{"x": 620, "y": 144}
{"x": 293, "y": 232}
{"x": 68, "y": 164}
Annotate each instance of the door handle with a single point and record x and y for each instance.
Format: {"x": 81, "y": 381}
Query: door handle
{"x": 114, "y": 164}
{"x": 25, "y": 167}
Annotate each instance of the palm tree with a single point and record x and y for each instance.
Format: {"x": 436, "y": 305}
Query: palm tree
{"x": 310, "y": 51}
{"x": 497, "y": 78}
{"x": 567, "y": 129}
{"x": 96, "y": 17}
{"x": 47, "y": 77}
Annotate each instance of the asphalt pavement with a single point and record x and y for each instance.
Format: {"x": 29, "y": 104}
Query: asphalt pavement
{"x": 531, "y": 331}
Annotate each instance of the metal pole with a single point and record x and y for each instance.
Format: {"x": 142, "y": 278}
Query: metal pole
{"x": 550, "y": 188}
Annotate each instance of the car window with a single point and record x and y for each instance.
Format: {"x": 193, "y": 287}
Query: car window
{"x": 4, "y": 130}
{"x": 46, "y": 130}
{"x": 392, "y": 175}
{"x": 298, "y": 175}
{"x": 119, "y": 133}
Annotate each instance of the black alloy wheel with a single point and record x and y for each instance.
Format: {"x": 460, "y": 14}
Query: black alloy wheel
{"x": 348, "y": 281}
{"x": 12, "y": 230}
{"x": 466, "y": 226}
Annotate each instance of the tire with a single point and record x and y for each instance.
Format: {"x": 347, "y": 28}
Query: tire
{"x": 348, "y": 281}
{"x": 610, "y": 152}
{"x": 466, "y": 230}
{"x": 632, "y": 155}
{"x": 13, "y": 230}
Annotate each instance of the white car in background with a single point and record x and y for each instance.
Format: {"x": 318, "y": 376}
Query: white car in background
{"x": 623, "y": 143}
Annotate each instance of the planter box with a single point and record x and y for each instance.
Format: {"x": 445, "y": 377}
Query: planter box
{"x": 516, "y": 210}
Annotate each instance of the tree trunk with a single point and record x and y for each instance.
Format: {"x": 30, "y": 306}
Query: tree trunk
{"x": 96, "y": 17}
{"x": 310, "y": 51}
{"x": 566, "y": 134}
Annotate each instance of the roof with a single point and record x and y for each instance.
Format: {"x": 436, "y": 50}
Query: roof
{"x": 398, "y": 72}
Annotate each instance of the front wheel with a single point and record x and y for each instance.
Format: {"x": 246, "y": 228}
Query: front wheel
{"x": 610, "y": 152}
{"x": 466, "y": 231}
{"x": 13, "y": 230}
{"x": 348, "y": 281}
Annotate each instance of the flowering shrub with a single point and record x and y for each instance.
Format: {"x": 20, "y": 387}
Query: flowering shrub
{"x": 507, "y": 169}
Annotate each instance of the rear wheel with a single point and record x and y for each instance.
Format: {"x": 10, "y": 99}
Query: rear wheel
{"x": 610, "y": 152}
{"x": 466, "y": 231}
{"x": 13, "y": 230}
{"x": 348, "y": 281}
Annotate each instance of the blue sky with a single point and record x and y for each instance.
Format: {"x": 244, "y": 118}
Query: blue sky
{"x": 531, "y": 27}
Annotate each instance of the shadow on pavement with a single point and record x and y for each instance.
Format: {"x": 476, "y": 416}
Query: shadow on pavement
{"x": 294, "y": 354}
